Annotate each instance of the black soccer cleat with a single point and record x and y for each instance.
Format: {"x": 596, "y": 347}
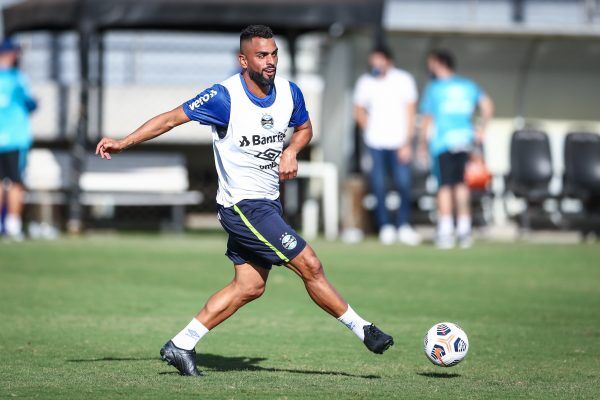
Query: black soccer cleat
{"x": 183, "y": 360}
{"x": 376, "y": 340}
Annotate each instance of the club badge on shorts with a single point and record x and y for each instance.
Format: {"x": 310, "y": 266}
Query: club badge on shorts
{"x": 267, "y": 121}
{"x": 288, "y": 241}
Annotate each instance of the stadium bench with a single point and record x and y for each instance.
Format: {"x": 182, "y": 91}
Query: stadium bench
{"x": 135, "y": 179}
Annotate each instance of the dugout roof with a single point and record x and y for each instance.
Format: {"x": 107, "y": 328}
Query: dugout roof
{"x": 191, "y": 15}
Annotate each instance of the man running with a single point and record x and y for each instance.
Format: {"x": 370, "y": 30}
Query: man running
{"x": 250, "y": 113}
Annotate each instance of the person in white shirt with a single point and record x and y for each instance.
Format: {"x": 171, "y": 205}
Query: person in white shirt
{"x": 384, "y": 108}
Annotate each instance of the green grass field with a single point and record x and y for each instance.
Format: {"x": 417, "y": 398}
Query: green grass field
{"x": 85, "y": 318}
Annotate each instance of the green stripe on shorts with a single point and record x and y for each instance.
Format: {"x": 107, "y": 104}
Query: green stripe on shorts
{"x": 258, "y": 235}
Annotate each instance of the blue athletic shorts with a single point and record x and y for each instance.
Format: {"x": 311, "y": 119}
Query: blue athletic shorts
{"x": 258, "y": 234}
{"x": 12, "y": 165}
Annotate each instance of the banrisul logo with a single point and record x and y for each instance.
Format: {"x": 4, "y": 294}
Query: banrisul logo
{"x": 257, "y": 140}
{"x": 244, "y": 142}
{"x": 267, "y": 121}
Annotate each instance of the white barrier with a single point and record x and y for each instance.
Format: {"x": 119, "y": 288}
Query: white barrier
{"x": 327, "y": 172}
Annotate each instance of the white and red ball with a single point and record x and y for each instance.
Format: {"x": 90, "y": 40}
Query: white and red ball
{"x": 446, "y": 344}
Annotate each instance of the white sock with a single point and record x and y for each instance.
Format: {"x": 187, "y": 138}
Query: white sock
{"x": 354, "y": 322}
{"x": 190, "y": 335}
{"x": 445, "y": 225}
{"x": 463, "y": 225}
{"x": 13, "y": 224}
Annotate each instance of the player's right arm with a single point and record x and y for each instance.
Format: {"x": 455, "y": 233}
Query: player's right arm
{"x": 361, "y": 99}
{"x": 210, "y": 107}
{"x": 152, "y": 128}
{"x": 361, "y": 116}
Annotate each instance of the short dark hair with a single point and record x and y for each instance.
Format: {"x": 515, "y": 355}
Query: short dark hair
{"x": 445, "y": 57}
{"x": 384, "y": 50}
{"x": 252, "y": 31}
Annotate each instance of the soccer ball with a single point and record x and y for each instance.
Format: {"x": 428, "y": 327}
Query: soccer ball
{"x": 445, "y": 344}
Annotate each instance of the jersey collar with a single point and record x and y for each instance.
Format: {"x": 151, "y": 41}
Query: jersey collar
{"x": 263, "y": 102}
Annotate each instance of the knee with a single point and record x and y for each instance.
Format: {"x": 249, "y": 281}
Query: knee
{"x": 251, "y": 291}
{"x": 313, "y": 268}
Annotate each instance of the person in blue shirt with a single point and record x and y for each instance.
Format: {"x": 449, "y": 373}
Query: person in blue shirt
{"x": 448, "y": 107}
{"x": 16, "y": 103}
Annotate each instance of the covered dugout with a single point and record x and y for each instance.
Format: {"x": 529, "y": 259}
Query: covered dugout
{"x": 92, "y": 19}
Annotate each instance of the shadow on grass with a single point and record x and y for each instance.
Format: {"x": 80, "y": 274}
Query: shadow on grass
{"x": 80, "y": 360}
{"x": 219, "y": 363}
{"x": 439, "y": 375}
{"x": 214, "y": 362}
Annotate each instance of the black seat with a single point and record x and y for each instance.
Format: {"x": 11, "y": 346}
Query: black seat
{"x": 530, "y": 171}
{"x": 530, "y": 165}
{"x": 581, "y": 178}
{"x": 582, "y": 165}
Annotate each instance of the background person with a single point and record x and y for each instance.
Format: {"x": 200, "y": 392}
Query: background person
{"x": 384, "y": 108}
{"x": 449, "y": 103}
{"x": 16, "y": 103}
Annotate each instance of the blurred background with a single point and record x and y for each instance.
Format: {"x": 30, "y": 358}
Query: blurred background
{"x": 101, "y": 68}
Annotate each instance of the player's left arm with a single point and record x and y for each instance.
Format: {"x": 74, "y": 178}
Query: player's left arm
{"x": 303, "y": 133}
{"x": 486, "y": 110}
{"x": 288, "y": 166}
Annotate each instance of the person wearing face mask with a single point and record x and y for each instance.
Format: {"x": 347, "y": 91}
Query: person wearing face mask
{"x": 448, "y": 106}
{"x": 384, "y": 109}
{"x": 16, "y": 103}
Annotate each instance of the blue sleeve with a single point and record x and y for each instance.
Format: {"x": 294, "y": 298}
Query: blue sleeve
{"x": 426, "y": 106}
{"x": 210, "y": 107}
{"x": 29, "y": 102}
{"x": 299, "y": 115}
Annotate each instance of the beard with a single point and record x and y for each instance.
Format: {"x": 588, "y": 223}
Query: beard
{"x": 260, "y": 79}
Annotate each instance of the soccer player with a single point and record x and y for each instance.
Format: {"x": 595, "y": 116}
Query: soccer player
{"x": 250, "y": 113}
{"x": 16, "y": 103}
{"x": 449, "y": 103}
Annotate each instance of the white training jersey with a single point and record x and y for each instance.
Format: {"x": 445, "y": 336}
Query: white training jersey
{"x": 248, "y": 135}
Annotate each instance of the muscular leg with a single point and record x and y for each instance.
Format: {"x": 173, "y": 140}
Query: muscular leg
{"x": 445, "y": 224}
{"x": 321, "y": 291}
{"x": 444, "y": 200}
{"x": 248, "y": 284}
{"x": 13, "y": 222}
{"x": 309, "y": 268}
{"x": 15, "y": 199}
{"x": 462, "y": 197}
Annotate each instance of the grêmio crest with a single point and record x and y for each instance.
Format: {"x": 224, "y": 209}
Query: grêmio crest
{"x": 267, "y": 121}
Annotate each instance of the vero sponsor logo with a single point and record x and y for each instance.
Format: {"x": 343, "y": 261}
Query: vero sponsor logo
{"x": 202, "y": 99}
